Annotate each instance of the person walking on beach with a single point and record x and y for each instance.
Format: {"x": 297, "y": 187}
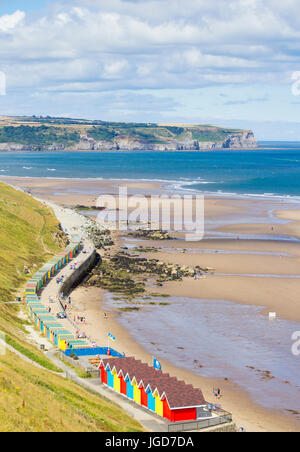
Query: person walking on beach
{"x": 217, "y": 393}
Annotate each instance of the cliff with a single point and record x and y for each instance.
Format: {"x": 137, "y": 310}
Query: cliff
{"x": 62, "y": 134}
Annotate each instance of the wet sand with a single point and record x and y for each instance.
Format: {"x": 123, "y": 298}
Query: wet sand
{"x": 280, "y": 294}
{"x": 236, "y": 400}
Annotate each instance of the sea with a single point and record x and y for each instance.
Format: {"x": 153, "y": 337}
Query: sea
{"x": 272, "y": 171}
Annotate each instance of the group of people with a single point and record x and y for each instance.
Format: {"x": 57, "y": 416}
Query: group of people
{"x": 61, "y": 315}
{"x": 66, "y": 304}
{"x": 60, "y": 279}
{"x": 80, "y": 335}
{"x": 79, "y": 319}
{"x": 217, "y": 393}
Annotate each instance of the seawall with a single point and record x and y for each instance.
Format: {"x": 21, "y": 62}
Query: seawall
{"x": 77, "y": 275}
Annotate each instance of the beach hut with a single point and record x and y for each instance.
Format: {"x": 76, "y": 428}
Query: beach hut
{"x": 110, "y": 378}
{"x": 29, "y": 300}
{"x": 35, "y": 309}
{"x": 103, "y": 376}
{"x": 54, "y": 264}
{"x": 31, "y": 297}
{"x": 54, "y": 330}
{"x": 163, "y": 395}
{"x": 50, "y": 326}
{"x": 37, "y": 314}
{"x": 144, "y": 397}
{"x": 167, "y": 413}
{"x": 123, "y": 385}
{"x": 60, "y": 332}
{"x": 63, "y": 258}
{"x": 136, "y": 391}
{"x": 80, "y": 348}
{"x": 36, "y": 280}
{"x": 150, "y": 399}
{"x": 31, "y": 287}
{"x": 159, "y": 406}
{"x": 129, "y": 388}
{"x": 43, "y": 319}
{"x": 117, "y": 382}
{"x": 63, "y": 341}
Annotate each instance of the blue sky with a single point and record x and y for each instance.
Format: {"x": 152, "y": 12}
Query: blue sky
{"x": 227, "y": 62}
{"x": 10, "y": 6}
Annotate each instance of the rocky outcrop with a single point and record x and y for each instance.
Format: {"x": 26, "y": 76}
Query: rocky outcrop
{"x": 242, "y": 140}
{"x": 238, "y": 140}
{"x": 16, "y": 147}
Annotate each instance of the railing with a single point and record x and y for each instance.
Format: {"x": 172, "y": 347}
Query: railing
{"x": 200, "y": 424}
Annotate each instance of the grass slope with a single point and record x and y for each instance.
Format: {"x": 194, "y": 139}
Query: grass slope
{"x": 32, "y": 399}
{"x": 29, "y": 236}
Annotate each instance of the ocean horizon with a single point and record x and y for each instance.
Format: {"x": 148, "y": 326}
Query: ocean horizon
{"x": 264, "y": 172}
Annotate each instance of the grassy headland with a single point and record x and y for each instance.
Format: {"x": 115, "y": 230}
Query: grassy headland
{"x": 47, "y": 133}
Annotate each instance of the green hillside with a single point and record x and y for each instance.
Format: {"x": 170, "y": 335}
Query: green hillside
{"x": 63, "y": 133}
{"x": 33, "y": 399}
{"x": 38, "y": 136}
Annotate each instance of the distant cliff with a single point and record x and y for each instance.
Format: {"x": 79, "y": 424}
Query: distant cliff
{"x": 63, "y": 134}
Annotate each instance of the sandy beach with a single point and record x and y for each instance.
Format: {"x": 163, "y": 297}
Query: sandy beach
{"x": 258, "y": 271}
{"x": 246, "y": 413}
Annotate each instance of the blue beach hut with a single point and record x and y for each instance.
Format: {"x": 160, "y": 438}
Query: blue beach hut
{"x": 110, "y": 378}
{"x": 129, "y": 388}
{"x": 151, "y": 399}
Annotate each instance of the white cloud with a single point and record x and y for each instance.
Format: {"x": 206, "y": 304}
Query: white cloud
{"x": 99, "y": 45}
{"x": 9, "y": 21}
{"x": 115, "y": 69}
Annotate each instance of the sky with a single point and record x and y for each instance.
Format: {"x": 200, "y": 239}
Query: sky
{"x": 228, "y": 62}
